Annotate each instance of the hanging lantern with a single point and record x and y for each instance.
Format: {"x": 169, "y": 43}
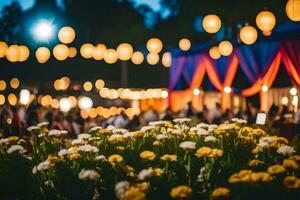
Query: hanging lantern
{"x": 265, "y": 21}
{"x": 184, "y": 44}
{"x": 124, "y": 51}
{"x": 24, "y": 53}
{"x": 72, "y": 52}
{"x": 14, "y": 83}
{"x": 110, "y": 56}
{"x": 88, "y": 86}
{"x": 211, "y": 23}
{"x": 42, "y": 54}
{"x": 248, "y": 34}
{"x": 66, "y": 35}
{"x": 99, "y": 52}
{"x": 214, "y": 53}
{"x": 61, "y": 52}
{"x": 292, "y": 10}
{"x": 13, "y": 53}
{"x": 12, "y": 99}
{"x": 167, "y": 59}
{"x": 137, "y": 57}
{"x": 154, "y": 45}
{"x": 3, "y": 49}
{"x": 152, "y": 58}
{"x": 225, "y": 48}
{"x": 87, "y": 50}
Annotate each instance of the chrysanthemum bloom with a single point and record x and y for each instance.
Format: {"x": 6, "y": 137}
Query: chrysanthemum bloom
{"x": 203, "y": 151}
{"x": 181, "y": 192}
{"x": 147, "y": 155}
{"x": 88, "y": 174}
{"x": 291, "y": 182}
{"x": 12, "y": 139}
{"x": 220, "y": 192}
{"x": 169, "y": 157}
{"x": 295, "y": 157}
{"x": 215, "y": 153}
{"x": 74, "y": 156}
{"x": 254, "y": 163}
{"x": 115, "y": 159}
{"x": 134, "y": 193}
{"x": 256, "y": 177}
{"x": 276, "y": 169}
{"x": 290, "y": 164}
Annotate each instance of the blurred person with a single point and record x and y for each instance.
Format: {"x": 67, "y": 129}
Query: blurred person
{"x": 134, "y": 123}
{"x": 121, "y": 120}
{"x": 190, "y": 110}
{"x": 150, "y": 115}
{"x": 251, "y": 113}
{"x": 214, "y": 115}
{"x": 297, "y": 122}
{"x": 58, "y": 121}
{"x": 168, "y": 115}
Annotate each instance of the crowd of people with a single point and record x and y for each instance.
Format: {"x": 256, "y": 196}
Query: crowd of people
{"x": 14, "y": 120}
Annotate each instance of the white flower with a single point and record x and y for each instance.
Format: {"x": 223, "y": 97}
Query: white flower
{"x": 147, "y": 128}
{"x": 120, "y": 130}
{"x": 41, "y": 166}
{"x": 33, "y": 128}
{"x": 145, "y": 173}
{"x": 88, "y": 148}
{"x": 100, "y": 158}
{"x": 286, "y": 150}
{"x": 15, "y": 148}
{"x": 57, "y": 133}
{"x": 3, "y": 141}
{"x": 43, "y": 124}
{"x": 182, "y": 120}
{"x": 200, "y": 131}
{"x": 210, "y": 138}
{"x": 88, "y": 174}
{"x": 63, "y": 152}
{"x": 96, "y": 128}
{"x": 263, "y": 145}
{"x": 156, "y": 143}
{"x": 201, "y": 175}
{"x": 187, "y": 145}
{"x": 212, "y": 127}
{"x": 239, "y": 121}
{"x": 158, "y": 123}
{"x": 128, "y": 135}
{"x": 77, "y": 142}
{"x": 120, "y": 189}
{"x": 174, "y": 131}
{"x": 202, "y": 125}
{"x": 226, "y": 126}
{"x": 111, "y": 127}
{"x": 266, "y": 139}
{"x": 84, "y": 136}
{"x": 73, "y": 150}
{"x": 161, "y": 137}
{"x": 181, "y": 127}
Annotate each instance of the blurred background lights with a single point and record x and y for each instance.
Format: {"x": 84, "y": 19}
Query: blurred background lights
{"x": 196, "y": 91}
{"x": 85, "y": 103}
{"x": 65, "y": 104}
{"x": 43, "y": 31}
{"x": 293, "y": 91}
{"x": 227, "y": 89}
{"x": 264, "y": 88}
{"x": 24, "y": 96}
{"x": 284, "y": 101}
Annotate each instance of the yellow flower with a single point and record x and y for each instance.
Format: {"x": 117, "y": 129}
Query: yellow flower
{"x": 234, "y": 178}
{"x": 216, "y": 153}
{"x": 53, "y": 160}
{"x": 257, "y": 149}
{"x": 129, "y": 170}
{"x": 241, "y": 176}
{"x": 137, "y": 134}
{"x": 259, "y": 132}
{"x": 220, "y": 192}
{"x": 260, "y": 177}
{"x": 115, "y": 159}
{"x": 203, "y": 151}
{"x": 120, "y": 148}
{"x": 74, "y": 156}
{"x": 134, "y": 193}
{"x": 169, "y": 157}
{"x": 290, "y": 164}
{"x": 158, "y": 171}
{"x": 181, "y": 192}
{"x": 295, "y": 157}
{"x": 291, "y": 182}
{"x": 276, "y": 169}
{"x": 148, "y": 155}
{"x": 12, "y": 139}
{"x": 254, "y": 163}
{"x": 105, "y": 132}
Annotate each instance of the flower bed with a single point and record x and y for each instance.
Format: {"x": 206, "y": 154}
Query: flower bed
{"x": 165, "y": 160}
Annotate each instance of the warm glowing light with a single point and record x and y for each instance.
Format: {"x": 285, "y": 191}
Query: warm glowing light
{"x": 110, "y": 56}
{"x": 152, "y": 58}
{"x": 66, "y": 35}
{"x": 295, "y": 101}
{"x": 72, "y": 52}
{"x": 227, "y": 89}
{"x": 214, "y": 53}
{"x": 293, "y": 91}
{"x": 292, "y": 10}
{"x": 265, "y": 21}
{"x": 2, "y": 85}
{"x": 73, "y": 101}
{"x": 99, "y": 52}
{"x": 13, "y": 53}
{"x": 225, "y": 48}
{"x": 61, "y": 52}
{"x": 167, "y": 59}
{"x": 2, "y": 99}
{"x": 285, "y": 101}
{"x": 42, "y": 54}
{"x": 164, "y": 94}
{"x": 154, "y": 45}
{"x": 24, "y": 53}
{"x": 3, "y": 49}
{"x": 43, "y": 31}
{"x": 184, "y": 44}
{"x": 46, "y": 101}
{"x": 124, "y": 51}
{"x": 24, "y": 96}
{"x": 14, "y": 83}
{"x": 65, "y": 104}
{"x": 54, "y": 103}
{"x": 87, "y": 50}
{"x": 99, "y": 84}
{"x": 85, "y": 103}
{"x": 211, "y": 23}
{"x": 248, "y": 34}
{"x": 196, "y": 91}
{"x": 264, "y": 88}
{"x": 87, "y": 86}
{"x": 12, "y": 99}
{"x": 137, "y": 57}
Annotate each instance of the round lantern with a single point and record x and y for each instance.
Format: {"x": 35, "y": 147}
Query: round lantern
{"x": 99, "y": 51}
{"x": 214, "y": 53}
{"x": 61, "y": 52}
{"x": 184, "y": 44}
{"x": 3, "y": 49}
{"x": 154, "y": 45}
{"x": 14, "y": 83}
{"x": 110, "y": 56}
{"x": 124, "y": 51}
{"x": 2, "y": 85}
{"x": 13, "y": 53}
{"x": 167, "y": 59}
{"x": 137, "y": 57}
{"x": 72, "y": 52}
{"x": 88, "y": 86}
{"x": 211, "y": 23}
{"x": 152, "y": 58}
{"x": 66, "y": 35}
{"x": 225, "y": 48}
{"x": 265, "y": 21}
{"x": 248, "y": 34}
{"x": 292, "y": 10}
{"x": 24, "y": 53}
{"x": 42, "y": 54}
{"x": 87, "y": 50}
